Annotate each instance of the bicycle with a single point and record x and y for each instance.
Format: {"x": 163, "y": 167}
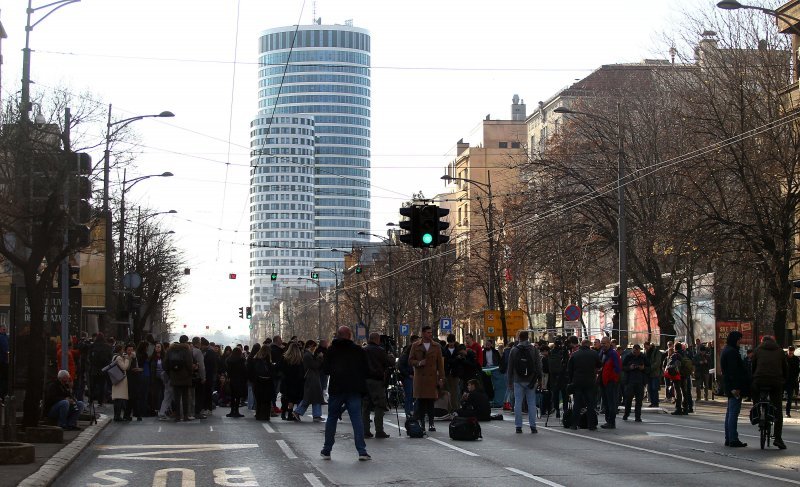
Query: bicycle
{"x": 763, "y": 415}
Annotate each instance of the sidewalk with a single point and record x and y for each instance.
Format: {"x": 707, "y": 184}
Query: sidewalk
{"x": 52, "y": 458}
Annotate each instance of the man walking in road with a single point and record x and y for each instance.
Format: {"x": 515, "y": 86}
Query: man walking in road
{"x": 346, "y": 365}
{"x": 636, "y": 369}
{"x": 609, "y": 376}
{"x": 734, "y": 383}
{"x": 378, "y": 362}
{"x": 524, "y": 370}
{"x": 582, "y": 374}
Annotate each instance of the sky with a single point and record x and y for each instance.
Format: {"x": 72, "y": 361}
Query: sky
{"x": 438, "y": 68}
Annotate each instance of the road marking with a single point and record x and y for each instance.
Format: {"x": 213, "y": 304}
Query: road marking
{"x": 159, "y": 429}
{"x": 718, "y": 431}
{"x": 288, "y": 451}
{"x": 679, "y": 437}
{"x": 159, "y": 451}
{"x": 534, "y": 477}
{"x": 678, "y": 457}
{"x": 161, "y": 476}
{"x": 448, "y": 445}
{"x": 211, "y": 428}
{"x": 313, "y": 480}
{"x": 268, "y": 428}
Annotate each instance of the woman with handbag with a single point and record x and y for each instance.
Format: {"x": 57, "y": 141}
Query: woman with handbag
{"x": 119, "y": 391}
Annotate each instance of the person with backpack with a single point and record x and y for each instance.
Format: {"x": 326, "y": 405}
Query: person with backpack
{"x": 677, "y": 370}
{"x": 179, "y": 369}
{"x": 524, "y": 371}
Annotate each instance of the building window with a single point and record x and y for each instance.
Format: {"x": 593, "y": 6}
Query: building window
{"x": 515, "y": 145}
{"x": 504, "y": 145}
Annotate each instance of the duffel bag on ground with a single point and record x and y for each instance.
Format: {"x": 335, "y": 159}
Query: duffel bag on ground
{"x": 414, "y": 429}
{"x": 465, "y": 428}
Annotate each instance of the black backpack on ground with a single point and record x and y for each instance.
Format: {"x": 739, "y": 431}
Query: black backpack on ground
{"x": 414, "y": 428}
{"x": 465, "y": 428}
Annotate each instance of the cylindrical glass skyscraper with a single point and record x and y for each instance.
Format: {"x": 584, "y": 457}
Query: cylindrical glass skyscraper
{"x": 327, "y": 78}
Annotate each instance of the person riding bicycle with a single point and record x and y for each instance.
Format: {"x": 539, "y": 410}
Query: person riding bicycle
{"x": 769, "y": 374}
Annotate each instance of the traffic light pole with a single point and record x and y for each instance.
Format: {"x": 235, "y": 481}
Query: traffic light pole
{"x": 65, "y": 265}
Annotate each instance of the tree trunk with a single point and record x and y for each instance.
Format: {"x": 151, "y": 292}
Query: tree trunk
{"x": 35, "y": 354}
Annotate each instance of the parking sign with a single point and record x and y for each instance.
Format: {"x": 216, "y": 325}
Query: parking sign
{"x": 446, "y": 325}
{"x": 404, "y": 329}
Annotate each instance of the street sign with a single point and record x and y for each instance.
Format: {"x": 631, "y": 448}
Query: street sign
{"x": 493, "y": 326}
{"x": 446, "y": 324}
{"x": 572, "y": 328}
{"x": 361, "y": 332}
{"x": 572, "y": 313}
{"x": 404, "y": 330}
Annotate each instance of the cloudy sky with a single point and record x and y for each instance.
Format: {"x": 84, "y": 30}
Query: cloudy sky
{"x": 439, "y": 67}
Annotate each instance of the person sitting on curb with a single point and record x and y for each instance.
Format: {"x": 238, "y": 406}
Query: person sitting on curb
{"x": 60, "y": 404}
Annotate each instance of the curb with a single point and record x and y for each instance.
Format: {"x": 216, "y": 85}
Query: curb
{"x": 47, "y": 473}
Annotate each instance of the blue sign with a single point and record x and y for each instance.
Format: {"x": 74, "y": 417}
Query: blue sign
{"x": 446, "y": 324}
{"x": 361, "y": 332}
{"x": 404, "y": 330}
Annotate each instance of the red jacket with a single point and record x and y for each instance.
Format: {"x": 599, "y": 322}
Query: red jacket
{"x": 478, "y": 352}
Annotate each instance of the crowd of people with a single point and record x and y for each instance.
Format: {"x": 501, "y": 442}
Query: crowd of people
{"x": 189, "y": 379}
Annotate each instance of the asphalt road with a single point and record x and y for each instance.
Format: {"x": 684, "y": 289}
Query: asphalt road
{"x": 664, "y": 450}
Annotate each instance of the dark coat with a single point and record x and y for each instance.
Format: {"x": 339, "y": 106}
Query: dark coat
{"x": 312, "y": 388}
{"x": 582, "y": 367}
{"x": 734, "y": 371}
{"x": 633, "y": 374}
{"x": 182, "y": 377}
{"x": 210, "y": 359}
{"x": 449, "y": 361}
{"x": 378, "y": 362}
{"x": 237, "y": 375}
{"x": 292, "y": 383}
{"x": 346, "y": 364}
{"x": 769, "y": 365}
{"x": 495, "y": 356}
{"x": 55, "y": 392}
{"x": 100, "y": 355}
{"x": 478, "y": 401}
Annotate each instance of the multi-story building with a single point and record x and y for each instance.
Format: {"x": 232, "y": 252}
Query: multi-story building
{"x": 310, "y": 191}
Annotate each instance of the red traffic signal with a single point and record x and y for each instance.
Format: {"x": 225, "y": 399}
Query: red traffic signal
{"x": 232, "y": 275}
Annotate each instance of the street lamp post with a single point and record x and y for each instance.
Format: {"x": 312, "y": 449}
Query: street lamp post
{"x": 493, "y": 286}
{"x": 621, "y": 215}
{"x": 335, "y": 293}
{"x": 120, "y": 124}
{"x": 126, "y": 186}
{"x": 392, "y": 317}
{"x": 25, "y": 107}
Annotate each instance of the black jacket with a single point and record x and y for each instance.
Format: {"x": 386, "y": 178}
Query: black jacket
{"x": 495, "y": 356}
{"x": 633, "y": 374}
{"x": 478, "y": 401}
{"x": 56, "y": 391}
{"x": 100, "y": 356}
{"x": 734, "y": 372}
{"x": 582, "y": 367}
{"x": 346, "y": 364}
{"x": 210, "y": 359}
{"x": 449, "y": 360}
{"x": 378, "y": 362}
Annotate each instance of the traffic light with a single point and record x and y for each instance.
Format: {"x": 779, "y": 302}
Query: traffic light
{"x": 80, "y": 165}
{"x": 232, "y": 275}
{"x": 74, "y": 276}
{"x": 249, "y": 312}
{"x": 443, "y": 225}
{"x": 796, "y": 284}
{"x": 358, "y": 269}
{"x": 314, "y": 275}
{"x": 615, "y": 304}
{"x": 241, "y": 313}
{"x": 273, "y": 276}
{"x": 410, "y": 224}
{"x": 428, "y": 226}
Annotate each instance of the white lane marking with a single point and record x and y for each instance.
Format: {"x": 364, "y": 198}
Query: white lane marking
{"x": 159, "y": 429}
{"x": 211, "y": 428}
{"x": 448, "y": 445}
{"x": 313, "y": 480}
{"x": 678, "y": 457}
{"x": 649, "y": 433}
{"x": 288, "y": 451}
{"x": 159, "y": 451}
{"x": 718, "y": 431}
{"x": 534, "y": 477}
{"x": 268, "y": 428}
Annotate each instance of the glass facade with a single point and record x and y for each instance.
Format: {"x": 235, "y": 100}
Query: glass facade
{"x": 327, "y": 78}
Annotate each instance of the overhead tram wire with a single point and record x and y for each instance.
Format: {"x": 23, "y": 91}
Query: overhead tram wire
{"x": 609, "y": 188}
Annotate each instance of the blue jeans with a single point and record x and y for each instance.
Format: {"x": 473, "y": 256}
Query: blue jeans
{"x": 316, "y": 409}
{"x": 351, "y": 401}
{"x": 408, "y": 393}
{"x": 731, "y": 419}
{"x": 522, "y": 390}
{"x": 652, "y": 390}
{"x": 66, "y": 415}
